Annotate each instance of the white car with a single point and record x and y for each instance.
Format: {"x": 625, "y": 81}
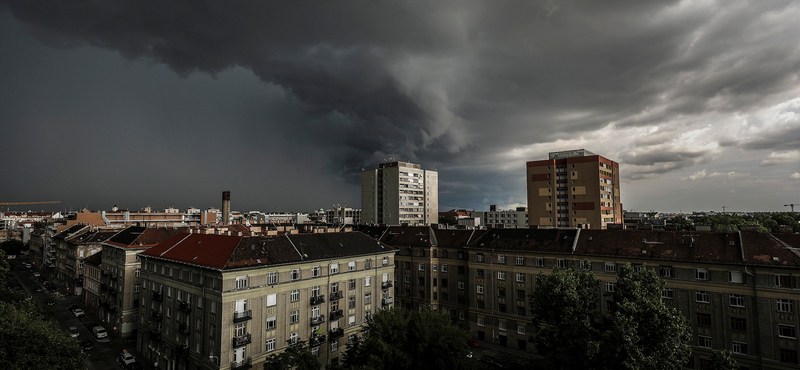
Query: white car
{"x": 100, "y": 333}
{"x": 126, "y": 358}
{"x": 73, "y": 331}
{"x": 78, "y": 312}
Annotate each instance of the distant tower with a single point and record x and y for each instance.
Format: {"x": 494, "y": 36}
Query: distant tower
{"x": 226, "y": 207}
{"x": 399, "y": 193}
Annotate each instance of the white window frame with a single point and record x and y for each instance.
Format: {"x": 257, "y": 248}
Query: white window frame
{"x": 294, "y": 317}
{"x": 351, "y": 266}
{"x": 271, "y": 344}
{"x": 611, "y": 286}
{"x": 562, "y": 263}
{"x": 272, "y": 299}
{"x": 367, "y": 280}
{"x": 272, "y": 278}
{"x": 460, "y": 285}
{"x": 481, "y": 321}
{"x": 385, "y": 261}
{"x": 703, "y": 341}
{"x": 611, "y": 267}
{"x": 520, "y": 277}
{"x": 701, "y": 273}
{"x": 334, "y": 345}
{"x": 272, "y": 323}
{"x": 295, "y": 274}
{"x": 521, "y": 329}
{"x": 736, "y": 300}
{"x": 735, "y": 276}
{"x": 540, "y": 262}
{"x": 784, "y": 305}
{"x": 501, "y": 258}
{"x": 421, "y": 267}
{"x": 444, "y": 267}
{"x": 479, "y": 288}
{"x": 739, "y": 347}
{"x": 241, "y": 282}
{"x": 702, "y": 296}
{"x": 294, "y": 337}
{"x": 367, "y": 298}
{"x": 501, "y": 275}
{"x": 520, "y": 261}
{"x": 479, "y": 257}
{"x": 295, "y": 295}
{"x": 667, "y": 293}
{"x": 434, "y": 267}
{"x": 334, "y": 268}
{"x": 788, "y": 327}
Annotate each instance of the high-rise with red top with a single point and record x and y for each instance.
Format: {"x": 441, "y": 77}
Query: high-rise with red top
{"x": 573, "y": 188}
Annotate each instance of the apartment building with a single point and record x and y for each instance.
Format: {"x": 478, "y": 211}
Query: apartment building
{"x": 509, "y": 218}
{"x": 574, "y": 188}
{"x": 92, "y": 282}
{"x": 399, "y": 193}
{"x": 120, "y": 281}
{"x": 739, "y": 290}
{"x": 228, "y": 302}
{"x": 72, "y": 246}
{"x": 343, "y": 216}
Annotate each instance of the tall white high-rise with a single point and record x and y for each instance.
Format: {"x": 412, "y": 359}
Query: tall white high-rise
{"x": 399, "y": 193}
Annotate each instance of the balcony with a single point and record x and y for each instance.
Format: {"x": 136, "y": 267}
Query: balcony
{"x": 387, "y": 301}
{"x": 158, "y": 297}
{"x": 113, "y": 277}
{"x": 316, "y": 340}
{"x": 156, "y": 316}
{"x": 386, "y": 284}
{"x": 155, "y": 335}
{"x": 337, "y": 333}
{"x": 336, "y": 295}
{"x": 336, "y": 314}
{"x": 317, "y": 320}
{"x": 105, "y": 273}
{"x": 182, "y": 351}
{"x": 184, "y": 329}
{"x": 243, "y": 364}
{"x": 185, "y": 307}
{"x": 242, "y": 340}
{"x": 317, "y": 299}
{"x": 242, "y": 316}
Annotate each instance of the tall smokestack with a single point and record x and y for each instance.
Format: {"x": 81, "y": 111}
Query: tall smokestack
{"x": 226, "y": 207}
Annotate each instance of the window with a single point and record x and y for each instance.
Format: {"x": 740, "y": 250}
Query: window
{"x": 367, "y": 264}
{"x": 351, "y": 320}
{"x": 316, "y": 271}
{"x": 272, "y": 300}
{"x": 786, "y": 331}
{"x": 270, "y": 345}
{"x": 351, "y": 339}
{"x": 521, "y": 329}
{"x": 479, "y": 273}
{"x": 435, "y": 282}
{"x": 334, "y": 268}
{"x": 351, "y": 302}
{"x": 434, "y": 267}
{"x": 520, "y": 261}
{"x": 520, "y": 277}
{"x": 562, "y": 263}
{"x": 666, "y": 271}
{"x": 272, "y": 322}
{"x": 272, "y": 278}
{"x": 501, "y": 275}
{"x": 788, "y": 356}
{"x": 351, "y": 284}
{"x": 739, "y": 347}
{"x": 501, "y": 292}
{"x": 460, "y": 285}
{"x": 294, "y": 317}
{"x": 461, "y": 270}
{"x": 703, "y": 319}
{"x": 704, "y": 342}
{"x": 385, "y": 261}
{"x": 784, "y": 281}
{"x": 422, "y": 267}
{"x": 241, "y": 282}
{"x": 479, "y": 257}
{"x": 136, "y": 273}
{"x": 407, "y": 279}
{"x": 611, "y": 267}
{"x": 667, "y": 293}
{"x": 702, "y": 297}
{"x": 294, "y": 337}
{"x": 295, "y": 295}
{"x": 136, "y": 288}
{"x": 351, "y": 266}
{"x": 737, "y": 300}
{"x": 701, "y": 273}
{"x": 610, "y": 286}
{"x": 539, "y": 261}
{"x": 480, "y": 305}
{"x": 501, "y": 325}
{"x": 480, "y": 321}
{"x": 444, "y": 267}
{"x": 367, "y": 280}
{"x": 315, "y": 351}
{"x": 521, "y": 310}
{"x": 784, "y": 305}
{"x": 479, "y": 289}
{"x": 738, "y": 323}
{"x": 334, "y": 345}
{"x": 735, "y": 277}
{"x": 295, "y": 274}
{"x": 501, "y": 258}
{"x": 367, "y": 298}
{"x": 444, "y": 283}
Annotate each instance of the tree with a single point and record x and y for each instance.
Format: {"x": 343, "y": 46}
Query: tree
{"x": 296, "y": 356}
{"x": 721, "y": 360}
{"x": 399, "y": 339}
{"x": 681, "y": 222}
{"x": 29, "y": 342}
{"x": 12, "y": 247}
{"x": 565, "y": 318}
{"x": 643, "y": 332}
{"x": 638, "y": 331}
{"x": 448, "y": 220}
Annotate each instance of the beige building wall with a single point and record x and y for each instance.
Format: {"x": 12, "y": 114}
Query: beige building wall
{"x": 399, "y": 193}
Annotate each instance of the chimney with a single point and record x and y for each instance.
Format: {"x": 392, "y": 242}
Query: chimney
{"x": 226, "y": 207}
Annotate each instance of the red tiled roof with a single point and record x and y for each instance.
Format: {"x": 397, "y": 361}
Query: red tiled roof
{"x": 663, "y": 245}
{"x": 205, "y": 250}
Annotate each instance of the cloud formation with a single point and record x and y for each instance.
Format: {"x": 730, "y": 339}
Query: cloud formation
{"x": 776, "y": 158}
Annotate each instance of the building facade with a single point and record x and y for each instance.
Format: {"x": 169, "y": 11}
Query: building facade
{"x": 399, "y": 193}
{"x": 574, "y": 188}
{"x": 511, "y": 218}
{"x": 228, "y": 302}
{"x": 343, "y": 216}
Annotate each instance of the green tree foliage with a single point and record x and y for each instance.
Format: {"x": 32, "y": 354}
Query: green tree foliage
{"x": 399, "y": 339}
{"x": 448, "y": 220}
{"x": 643, "y": 332}
{"x": 5, "y": 268}
{"x": 768, "y": 222}
{"x": 12, "y": 247}
{"x": 638, "y": 332}
{"x": 681, "y": 222}
{"x": 296, "y": 356}
{"x": 721, "y": 360}
{"x": 28, "y": 342}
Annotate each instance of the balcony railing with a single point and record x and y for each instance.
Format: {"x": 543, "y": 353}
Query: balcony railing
{"x": 185, "y": 307}
{"x": 243, "y": 364}
{"x": 242, "y": 316}
{"x": 158, "y": 297}
{"x": 317, "y": 320}
{"x": 242, "y": 340}
{"x": 337, "y": 314}
{"x": 184, "y": 329}
{"x": 336, "y": 295}
{"x": 337, "y": 333}
{"x": 155, "y": 335}
{"x": 156, "y": 316}
{"x": 316, "y": 340}
{"x": 387, "y": 284}
{"x": 387, "y": 301}
{"x": 317, "y": 299}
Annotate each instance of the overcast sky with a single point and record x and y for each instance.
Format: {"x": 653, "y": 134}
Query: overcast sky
{"x": 168, "y": 103}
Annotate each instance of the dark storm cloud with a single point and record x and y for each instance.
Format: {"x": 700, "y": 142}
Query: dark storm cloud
{"x": 446, "y": 83}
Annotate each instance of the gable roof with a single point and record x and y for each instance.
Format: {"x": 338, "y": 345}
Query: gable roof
{"x": 539, "y": 240}
{"x": 142, "y": 237}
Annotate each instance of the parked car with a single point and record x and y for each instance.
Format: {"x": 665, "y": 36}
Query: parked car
{"x": 39, "y": 288}
{"x": 87, "y": 345}
{"x": 126, "y": 358}
{"x": 99, "y": 332}
{"x": 73, "y": 331}
{"x": 77, "y": 311}
{"x": 36, "y": 273}
{"x": 472, "y": 343}
{"x": 50, "y": 302}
